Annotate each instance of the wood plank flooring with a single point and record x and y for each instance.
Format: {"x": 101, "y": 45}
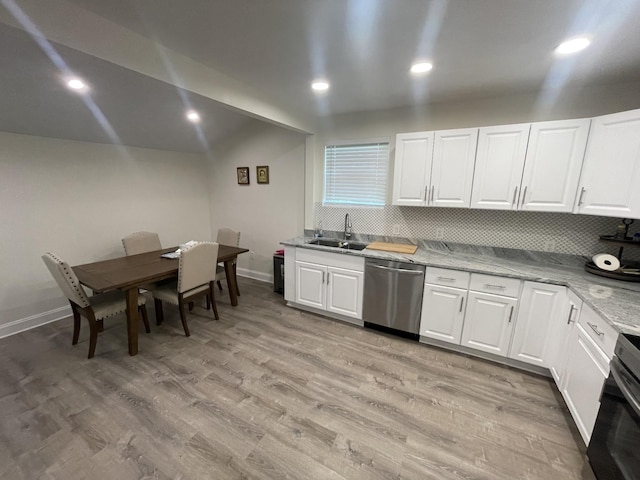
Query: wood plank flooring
{"x": 271, "y": 392}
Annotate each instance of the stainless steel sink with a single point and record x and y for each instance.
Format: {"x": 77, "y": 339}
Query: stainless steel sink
{"x": 327, "y": 242}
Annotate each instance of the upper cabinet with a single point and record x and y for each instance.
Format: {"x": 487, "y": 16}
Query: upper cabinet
{"x": 434, "y": 168}
{"x": 611, "y": 171}
{"x": 412, "y": 169}
{"x": 552, "y": 166}
{"x": 499, "y": 165}
{"x": 454, "y": 155}
{"x": 533, "y": 167}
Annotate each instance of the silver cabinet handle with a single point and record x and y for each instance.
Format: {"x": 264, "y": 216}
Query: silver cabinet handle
{"x": 595, "y": 329}
{"x": 433, "y": 188}
{"x": 426, "y": 190}
{"x": 322, "y": 277}
{"x": 515, "y": 192}
{"x": 511, "y": 314}
{"x": 524, "y": 195}
{"x": 582, "y": 190}
{"x": 569, "y": 321}
{"x": 461, "y": 303}
{"x": 448, "y": 279}
{"x": 328, "y": 277}
{"x": 489, "y": 285}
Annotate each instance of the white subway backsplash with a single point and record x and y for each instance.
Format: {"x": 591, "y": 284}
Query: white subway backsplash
{"x": 559, "y": 232}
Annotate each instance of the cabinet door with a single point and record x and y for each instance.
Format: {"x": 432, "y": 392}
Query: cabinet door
{"x": 489, "y": 322}
{"x": 454, "y": 154}
{"x": 443, "y": 313}
{"x": 553, "y": 164}
{"x": 412, "y": 169}
{"x": 587, "y": 369}
{"x": 541, "y": 307}
{"x": 611, "y": 172}
{"x": 561, "y": 334}
{"x": 344, "y": 292}
{"x": 310, "y": 287}
{"x": 499, "y": 165}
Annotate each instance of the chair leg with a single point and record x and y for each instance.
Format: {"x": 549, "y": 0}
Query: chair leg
{"x": 191, "y": 306}
{"x": 213, "y": 301}
{"x": 219, "y": 286}
{"x": 93, "y": 333}
{"x": 208, "y": 302}
{"x": 76, "y": 324}
{"x": 145, "y": 319}
{"x": 100, "y": 325}
{"x": 183, "y": 317}
{"x": 159, "y": 313}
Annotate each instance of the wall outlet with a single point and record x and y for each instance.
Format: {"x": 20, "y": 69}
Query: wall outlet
{"x": 549, "y": 246}
{"x": 439, "y": 233}
{"x": 396, "y": 229}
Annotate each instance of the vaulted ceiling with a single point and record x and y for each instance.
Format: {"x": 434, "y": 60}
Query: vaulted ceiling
{"x": 147, "y": 61}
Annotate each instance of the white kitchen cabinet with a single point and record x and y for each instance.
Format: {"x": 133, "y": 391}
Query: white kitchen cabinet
{"x": 454, "y": 154}
{"x": 443, "y": 313}
{"x": 553, "y": 164}
{"x": 560, "y": 335}
{"x": 330, "y": 282}
{"x": 345, "y": 291}
{"x": 412, "y": 169}
{"x": 541, "y": 307}
{"x": 310, "y": 286}
{"x": 488, "y": 322}
{"x": 499, "y": 165}
{"x": 586, "y": 370}
{"x": 611, "y": 171}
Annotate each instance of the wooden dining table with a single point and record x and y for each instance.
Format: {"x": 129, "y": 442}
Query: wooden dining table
{"x": 131, "y": 272}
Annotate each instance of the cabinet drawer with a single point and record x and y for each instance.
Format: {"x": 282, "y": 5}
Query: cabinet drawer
{"x": 509, "y": 287}
{"x": 447, "y": 278}
{"x": 340, "y": 260}
{"x": 603, "y": 334}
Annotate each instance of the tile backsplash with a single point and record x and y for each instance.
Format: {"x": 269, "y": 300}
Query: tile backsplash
{"x": 557, "y": 232}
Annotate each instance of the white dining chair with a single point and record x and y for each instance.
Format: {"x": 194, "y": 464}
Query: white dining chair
{"x": 95, "y": 308}
{"x": 196, "y": 276}
{"x": 141, "y": 242}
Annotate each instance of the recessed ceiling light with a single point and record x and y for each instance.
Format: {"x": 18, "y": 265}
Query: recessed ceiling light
{"x": 573, "y": 45}
{"x": 422, "y": 67}
{"x": 320, "y": 85}
{"x": 193, "y": 116}
{"x": 76, "y": 84}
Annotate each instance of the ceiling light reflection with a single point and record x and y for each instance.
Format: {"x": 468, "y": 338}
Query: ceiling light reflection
{"x": 572, "y": 46}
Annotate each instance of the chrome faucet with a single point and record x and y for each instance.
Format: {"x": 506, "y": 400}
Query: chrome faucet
{"x": 347, "y": 227}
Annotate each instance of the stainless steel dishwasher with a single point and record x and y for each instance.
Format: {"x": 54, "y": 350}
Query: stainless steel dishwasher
{"x": 393, "y": 295}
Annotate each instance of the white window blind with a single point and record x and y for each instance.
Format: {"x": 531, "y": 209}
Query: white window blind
{"x": 356, "y": 174}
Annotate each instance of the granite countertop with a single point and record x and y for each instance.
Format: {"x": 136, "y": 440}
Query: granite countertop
{"x": 616, "y": 301}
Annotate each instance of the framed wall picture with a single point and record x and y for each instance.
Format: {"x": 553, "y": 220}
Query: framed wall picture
{"x": 243, "y": 175}
{"x": 262, "y": 173}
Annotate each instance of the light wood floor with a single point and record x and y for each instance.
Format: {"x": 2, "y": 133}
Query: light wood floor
{"x": 271, "y": 392}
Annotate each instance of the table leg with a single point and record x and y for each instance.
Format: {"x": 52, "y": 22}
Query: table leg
{"x": 132, "y": 320}
{"x": 231, "y": 282}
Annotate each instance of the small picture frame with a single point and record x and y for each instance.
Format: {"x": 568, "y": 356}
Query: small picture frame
{"x": 262, "y": 174}
{"x": 243, "y": 175}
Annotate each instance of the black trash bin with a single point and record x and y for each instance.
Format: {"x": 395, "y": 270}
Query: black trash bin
{"x": 278, "y": 273}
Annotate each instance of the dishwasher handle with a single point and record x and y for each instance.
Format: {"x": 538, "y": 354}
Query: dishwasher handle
{"x": 411, "y": 272}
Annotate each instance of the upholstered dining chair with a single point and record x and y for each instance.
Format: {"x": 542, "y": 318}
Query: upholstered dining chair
{"x": 94, "y": 308}
{"x": 141, "y": 242}
{"x": 231, "y": 237}
{"x": 196, "y": 276}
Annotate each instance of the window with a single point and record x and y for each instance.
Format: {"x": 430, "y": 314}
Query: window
{"x": 356, "y": 174}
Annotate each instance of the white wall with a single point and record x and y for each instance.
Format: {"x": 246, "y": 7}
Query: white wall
{"x": 78, "y": 200}
{"x": 264, "y": 214}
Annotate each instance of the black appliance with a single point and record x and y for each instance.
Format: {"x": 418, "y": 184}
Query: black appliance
{"x": 614, "y": 448}
{"x": 278, "y": 273}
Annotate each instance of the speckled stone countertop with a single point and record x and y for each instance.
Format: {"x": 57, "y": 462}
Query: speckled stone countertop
{"x": 616, "y": 301}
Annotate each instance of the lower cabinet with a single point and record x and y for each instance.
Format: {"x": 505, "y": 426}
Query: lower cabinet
{"x": 541, "y": 307}
{"x": 561, "y": 333}
{"x": 489, "y": 322}
{"x": 330, "y": 282}
{"x": 443, "y": 313}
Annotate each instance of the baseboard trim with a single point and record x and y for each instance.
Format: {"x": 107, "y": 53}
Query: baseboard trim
{"x": 34, "y": 321}
{"x": 255, "y": 275}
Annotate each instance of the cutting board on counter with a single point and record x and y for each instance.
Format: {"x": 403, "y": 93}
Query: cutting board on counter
{"x": 393, "y": 247}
